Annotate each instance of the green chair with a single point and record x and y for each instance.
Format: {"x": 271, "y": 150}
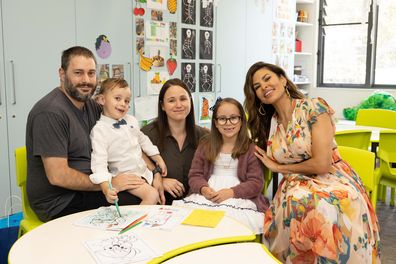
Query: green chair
{"x": 376, "y": 117}
{"x": 267, "y": 180}
{"x": 360, "y": 139}
{"x": 387, "y": 167}
{"x": 363, "y": 162}
{"x": 30, "y": 219}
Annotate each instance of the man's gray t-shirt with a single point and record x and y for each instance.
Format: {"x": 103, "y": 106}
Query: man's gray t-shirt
{"x": 56, "y": 128}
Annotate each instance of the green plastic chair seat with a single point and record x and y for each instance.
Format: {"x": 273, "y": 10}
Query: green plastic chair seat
{"x": 387, "y": 168}
{"x": 363, "y": 162}
{"x": 30, "y": 219}
{"x": 360, "y": 139}
{"x": 376, "y": 117}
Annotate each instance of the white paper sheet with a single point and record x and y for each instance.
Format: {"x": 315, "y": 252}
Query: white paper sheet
{"x": 165, "y": 218}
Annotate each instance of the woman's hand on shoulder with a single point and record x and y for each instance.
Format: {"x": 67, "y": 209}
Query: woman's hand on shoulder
{"x": 270, "y": 164}
{"x": 174, "y": 187}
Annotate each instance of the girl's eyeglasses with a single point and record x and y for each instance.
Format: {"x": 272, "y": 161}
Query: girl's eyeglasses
{"x": 222, "y": 120}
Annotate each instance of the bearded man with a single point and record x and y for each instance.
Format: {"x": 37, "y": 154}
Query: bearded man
{"x": 58, "y": 144}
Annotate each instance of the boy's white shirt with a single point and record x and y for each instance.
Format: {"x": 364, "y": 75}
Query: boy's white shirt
{"x": 119, "y": 150}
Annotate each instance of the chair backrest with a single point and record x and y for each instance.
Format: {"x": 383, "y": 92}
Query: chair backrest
{"x": 362, "y": 161}
{"x": 21, "y": 174}
{"x": 267, "y": 180}
{"x": 376, "y": 117}
{"x": 387, "y": 153}
{"x": 360, "y": 139}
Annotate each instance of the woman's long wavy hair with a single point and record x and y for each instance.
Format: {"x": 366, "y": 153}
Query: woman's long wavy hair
{"x": 162, "y": 119}
{"x": 258, "y": 124}
{"x": 214, "y": 141}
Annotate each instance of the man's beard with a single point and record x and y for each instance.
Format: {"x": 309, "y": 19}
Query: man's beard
{"x": 74, "y": 93}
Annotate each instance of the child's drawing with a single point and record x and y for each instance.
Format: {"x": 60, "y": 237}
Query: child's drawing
{"x": 120, "y": 249}
{"x": 165, "y": 218}
{"x": 107, "y": 218}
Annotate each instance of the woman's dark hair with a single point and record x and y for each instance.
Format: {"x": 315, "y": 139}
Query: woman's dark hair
{"x": 259, "y": 125}
{"x": 162, "y": 119}
{"x": 213, "y": 143}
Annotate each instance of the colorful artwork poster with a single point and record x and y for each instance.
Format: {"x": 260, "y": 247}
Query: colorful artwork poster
{"x": 188, "y": 75}
{"x": 103, "y": 47}
{"x": 172, "y": 30}
{"x": 157, "y": 33}
{"x": 189, "y": 12}
{"x": 155, "y": 80}
{"x": 206, "y": 13}
{"x": 103, "y": 73}
{"x": 188, "y": 43}
{"x": 173, "y": 47}
{"x": 157, "y": 4}
{"x": 139, "y": 45}
{"x": 139, "y": 27}
{"x": 157, "y": 15}
{"x": 117, "y": 71}
{"x": 206, "y": 45}
{"x": 206, "y": 101}
{"x": 205, "y": 77}
{"x": 157, "y": 54}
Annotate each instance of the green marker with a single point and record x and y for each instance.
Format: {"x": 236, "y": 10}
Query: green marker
{"x": 116, "y": 201}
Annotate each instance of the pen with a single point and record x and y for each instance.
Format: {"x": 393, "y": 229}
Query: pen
{"x": 139, "y": 220}
{"x": 115, "y": 201}
{"x": 129, "y": 227}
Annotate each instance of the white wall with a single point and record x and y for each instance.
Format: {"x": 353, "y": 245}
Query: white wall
{"x": 341, "y": 98}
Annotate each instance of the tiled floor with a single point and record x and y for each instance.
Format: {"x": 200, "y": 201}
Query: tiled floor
{"x": 387, "y": 220}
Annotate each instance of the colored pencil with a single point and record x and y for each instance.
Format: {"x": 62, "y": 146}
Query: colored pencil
{"x": 115, "y": 201}
{"x": 133, "y": 223}
{"x": 129, "y": 228}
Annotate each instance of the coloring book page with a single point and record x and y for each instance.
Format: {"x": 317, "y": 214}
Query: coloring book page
{"x": 124, "y": 248}
{"x": 165, "y": 218}
{"x": 107, "y": 218}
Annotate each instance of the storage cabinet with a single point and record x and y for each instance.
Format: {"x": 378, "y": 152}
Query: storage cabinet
{"x": 34, "y": 34}
{"x": 305, "y": 36}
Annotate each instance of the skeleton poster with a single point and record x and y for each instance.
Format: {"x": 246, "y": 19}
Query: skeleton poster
{"x": 188, "y": 75}
{"x": 206, "y": 13}
{"x": 188, "y": 43}
{"x": 188, "y": 12}
{"x": 205, "y": 77}
{"x": 206, "y": 45}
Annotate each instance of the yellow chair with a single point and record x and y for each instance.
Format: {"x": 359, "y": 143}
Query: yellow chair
{"x": 387, "y": 168}
{"x": 363, "y": 162}
{"x": 30, "y": 219}
{"x": 360, "y": 139}
{"x": 376, "y": 117}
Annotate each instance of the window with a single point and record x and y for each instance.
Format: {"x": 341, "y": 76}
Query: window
{"x": 357, "y": 46}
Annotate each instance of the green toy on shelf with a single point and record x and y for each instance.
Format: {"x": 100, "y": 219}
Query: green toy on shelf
{"x": 378, "y": 99}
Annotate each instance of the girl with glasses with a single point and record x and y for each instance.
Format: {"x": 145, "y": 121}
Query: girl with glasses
{"x": 225, "y": 174}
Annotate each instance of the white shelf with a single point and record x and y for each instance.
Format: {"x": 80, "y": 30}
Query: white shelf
{"x": 303, "y": 53}
{"x": 303, "y": 24}
{"x": 301, "y": 83}
{"x": 304, "y": 1}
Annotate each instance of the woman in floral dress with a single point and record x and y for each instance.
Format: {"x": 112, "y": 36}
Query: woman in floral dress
{"x": 321, "y": 212}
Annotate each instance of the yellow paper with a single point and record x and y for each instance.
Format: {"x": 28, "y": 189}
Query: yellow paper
{"x": 201, "y": 217}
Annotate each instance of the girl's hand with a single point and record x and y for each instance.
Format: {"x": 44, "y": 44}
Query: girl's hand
{"x": 222, "y": 195}
{"x": 208, "y": 192}
{"x": 270, "y": 164}
{"x": 174, "y": 187}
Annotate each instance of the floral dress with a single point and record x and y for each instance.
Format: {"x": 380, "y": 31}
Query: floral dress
{"x": 318, "y": 218}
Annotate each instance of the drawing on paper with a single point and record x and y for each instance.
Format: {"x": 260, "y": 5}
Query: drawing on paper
{"x": 119, "y": 249}
{"x": 107, "y": 218}
{"x": 165, "y": 218}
